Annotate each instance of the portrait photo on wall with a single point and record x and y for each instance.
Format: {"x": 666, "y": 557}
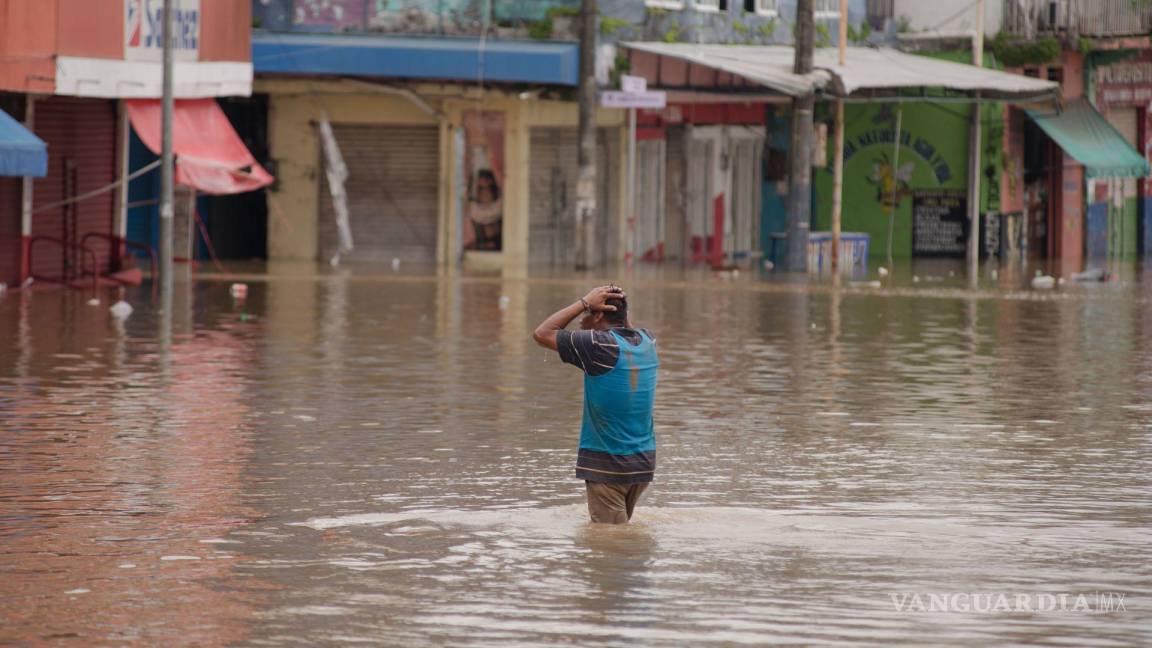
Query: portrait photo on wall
{"x": 484, "y": 165}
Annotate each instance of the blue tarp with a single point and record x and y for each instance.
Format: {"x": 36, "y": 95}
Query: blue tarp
{"x": 457, "y": 59}
{"x": 21, "y": 152}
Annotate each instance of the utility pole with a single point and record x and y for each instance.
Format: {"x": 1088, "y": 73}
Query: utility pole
{"x": 974, "y": 164}
{"x": 166, "y": 210}
{"x": 586, "y": 254}
{"x": 800, "y": 165}
{"x": 838, "y": 162}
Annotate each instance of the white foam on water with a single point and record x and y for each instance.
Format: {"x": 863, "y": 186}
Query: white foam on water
{"x": 179, "y": 557}
{"x": 79, "y": 590}
{"x": 317, "y": 610}
{"x": 719, "y": 528}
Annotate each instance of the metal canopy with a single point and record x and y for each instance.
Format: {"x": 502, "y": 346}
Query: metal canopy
{"x": 870, "y": 72}
{"x": 1085, "y": 135}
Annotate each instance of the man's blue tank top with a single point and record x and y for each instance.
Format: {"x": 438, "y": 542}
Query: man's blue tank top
{"x": 618, "y": 404}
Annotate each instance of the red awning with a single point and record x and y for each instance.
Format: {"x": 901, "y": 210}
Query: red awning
{"x": 210, "y": 157}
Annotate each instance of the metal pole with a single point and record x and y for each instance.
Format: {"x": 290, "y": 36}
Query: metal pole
{"x": 895, "y": 182}
{"x": 843, "y": 30}
{"x": 586, "y": 179}
{"x": 838, "y": 161}
{"x": 632, "y": 218}
{"x": 974, "y": 158}
{"x": 799, "y": 206}
{"x": 837, "y": 187}
{"x": 166, "y": 209}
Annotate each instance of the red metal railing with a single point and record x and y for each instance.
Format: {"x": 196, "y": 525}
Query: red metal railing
{"x": 87, "y": 255}
{"x": 124, "y": 244}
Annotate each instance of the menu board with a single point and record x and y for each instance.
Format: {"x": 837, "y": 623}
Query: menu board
{"x": 939, "y": 222}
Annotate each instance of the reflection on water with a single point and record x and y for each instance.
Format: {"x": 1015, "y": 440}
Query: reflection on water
{"x": 386, "y": 458}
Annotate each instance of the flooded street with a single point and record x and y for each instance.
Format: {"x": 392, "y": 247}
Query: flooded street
{"x": 386, "y": 458}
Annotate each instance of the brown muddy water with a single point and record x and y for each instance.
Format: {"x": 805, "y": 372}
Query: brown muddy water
{"x": 386, "y": 459}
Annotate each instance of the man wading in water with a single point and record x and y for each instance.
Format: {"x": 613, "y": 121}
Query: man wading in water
{"x": 617, "y": 455}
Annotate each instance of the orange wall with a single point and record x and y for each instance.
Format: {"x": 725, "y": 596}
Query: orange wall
{"x": 226, "y": 30}
{"x": 27, "y": 46}
{"x": 90, "y": 28}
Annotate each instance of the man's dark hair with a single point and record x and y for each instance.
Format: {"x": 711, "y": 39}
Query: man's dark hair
{"x": 618, "y": 317}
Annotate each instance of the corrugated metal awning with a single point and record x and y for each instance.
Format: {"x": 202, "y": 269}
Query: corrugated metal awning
{"x": 1085, "y": 135}
{"x": 869, "y": 72}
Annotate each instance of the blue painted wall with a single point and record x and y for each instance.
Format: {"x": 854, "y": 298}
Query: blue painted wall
{"x": 1096, "y": 234}
{"x": 1146, "y": 227}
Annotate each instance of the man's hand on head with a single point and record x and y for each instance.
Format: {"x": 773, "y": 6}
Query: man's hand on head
{"x": 597, "y": 298}
{"x": 595, "y": 301}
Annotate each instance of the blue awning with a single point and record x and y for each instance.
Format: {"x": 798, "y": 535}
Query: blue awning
{"x": 456, "y": 59}
{"x": 21, "y": 152}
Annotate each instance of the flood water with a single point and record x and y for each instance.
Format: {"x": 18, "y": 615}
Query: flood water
{"x": 386, "y": 458}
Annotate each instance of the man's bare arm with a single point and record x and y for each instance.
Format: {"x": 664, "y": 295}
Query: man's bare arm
{"x": 545, "y": 334}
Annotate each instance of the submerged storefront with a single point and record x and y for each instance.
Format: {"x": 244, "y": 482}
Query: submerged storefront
{"x": 1120, "y": 208}
{"x": 919, "y": 184}
{"x": 440, "y": 166}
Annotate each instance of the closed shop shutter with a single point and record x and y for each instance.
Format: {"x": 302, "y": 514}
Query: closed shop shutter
{"x": 552, "y": 197}
{"x": 10, "y": 215}
{"x": 649, "y": 225}
{"x": 746, "y": 154}
{"x": 81, "y": 139}
{"x": 675, "y": 193}
{"x": 393, "y": 193}
{"x": 698, "y": 222}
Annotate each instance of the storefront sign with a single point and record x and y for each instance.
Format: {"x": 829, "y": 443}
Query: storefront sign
{"x": 1126, "y": 83}
{"x": 919, "y": 144}
{"x": 144, "y": 30}
{"x": 622, "y": 99}
{"x": 939, "y": 223}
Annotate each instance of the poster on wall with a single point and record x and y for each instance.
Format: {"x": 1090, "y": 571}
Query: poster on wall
{"x": 939, "y": 222}
{"x": 334, "y": 15}
{"x": 484, "y": 174}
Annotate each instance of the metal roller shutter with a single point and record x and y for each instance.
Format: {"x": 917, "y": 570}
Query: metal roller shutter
{"x": 746, "y": 154}
{"x": 650, "y": 167}
{"x": 675, "y": 199}
{"x": 10, "y": 243}
{"x": 81, "y": 138}
{"x": 392, "y": 187}
{"x": 698, "y": 221}
{"x": 552, "y": 199}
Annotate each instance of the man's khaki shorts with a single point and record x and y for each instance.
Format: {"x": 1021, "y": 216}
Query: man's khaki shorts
{"x": 613, "y": 503}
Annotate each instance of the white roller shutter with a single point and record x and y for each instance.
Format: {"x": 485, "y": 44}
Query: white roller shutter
{"x": 649, "y": 225}
{"x": 552, "y": 196}
{"x": 393, "y": 179}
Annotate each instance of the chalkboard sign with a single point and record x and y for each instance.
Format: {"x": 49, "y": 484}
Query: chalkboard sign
{"x": 939, "y": 222}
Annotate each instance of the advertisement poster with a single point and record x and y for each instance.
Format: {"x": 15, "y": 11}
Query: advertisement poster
{"x": 484, "y": 171}
{"x": 939, "y": 223}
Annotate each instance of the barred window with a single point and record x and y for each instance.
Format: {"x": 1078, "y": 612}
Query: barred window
{"x": 827, "y": 8}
